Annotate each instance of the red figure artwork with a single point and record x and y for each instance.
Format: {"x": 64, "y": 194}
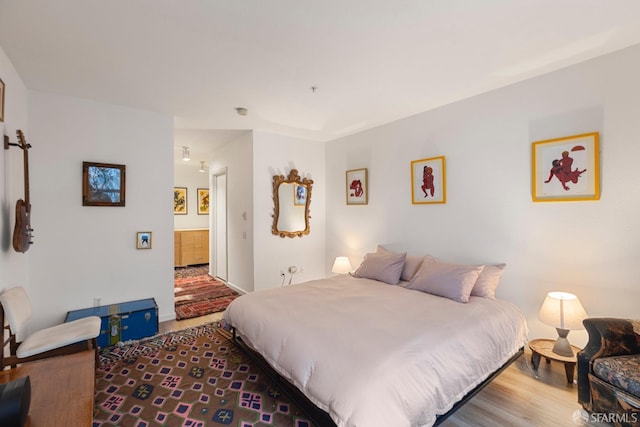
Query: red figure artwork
{"x": 561, "y": 169}
{"x": 427, "y": 181}
{"x": 356, "y": 187}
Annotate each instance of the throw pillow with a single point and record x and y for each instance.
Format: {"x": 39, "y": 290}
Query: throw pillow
{"x": 384, "y": 267}
{"x": 488, "y": 281}
{"x": 453, "y": 281}
{"x": 411, "y": 264}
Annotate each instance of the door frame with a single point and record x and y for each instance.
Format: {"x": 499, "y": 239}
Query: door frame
{"x": 214, "y": 223}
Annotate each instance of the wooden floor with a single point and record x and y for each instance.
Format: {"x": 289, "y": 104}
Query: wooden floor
{"x": 518, "y": 397}
{"x": 176, "y": 325}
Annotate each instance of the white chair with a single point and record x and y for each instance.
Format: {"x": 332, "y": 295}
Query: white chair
{"x": 65, "y": 338}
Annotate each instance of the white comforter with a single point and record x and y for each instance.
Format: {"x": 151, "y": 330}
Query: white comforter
{"x": 372, "y": 354}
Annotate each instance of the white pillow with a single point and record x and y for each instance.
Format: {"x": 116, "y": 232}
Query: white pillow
{"x": 411, "y": 264}
{"x": 384, "y": 267}
{"x": 453, "y": 281}
{"x": 488, "y": 281}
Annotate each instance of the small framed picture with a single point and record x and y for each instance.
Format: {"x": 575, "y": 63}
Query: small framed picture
{"x": 299, "y": 195}
{"x": 103, "y": 184}
{"x": 203, "y": 201}
{"x": 566, "y": 169}
{"x": 1, "y": 101}
{"x": 179, "y": 200}
{"x": 428, "y": 181}
{"x": 357, "y": 187}
{"x": 143, "y": 240}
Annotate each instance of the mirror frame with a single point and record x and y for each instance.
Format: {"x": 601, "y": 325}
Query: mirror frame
{"x": 293, "y": 178}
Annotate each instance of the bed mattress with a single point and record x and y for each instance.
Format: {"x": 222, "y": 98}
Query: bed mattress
{"x": 372, "y": 354}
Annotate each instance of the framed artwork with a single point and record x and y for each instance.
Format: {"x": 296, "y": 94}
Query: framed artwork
{"x": 566, "y": 169}
{"x": 203, "y": 201}
{"x": 1, "y": 101}
{"x": 299, "y": 195}
{"x": 143, "y": 240}
{"x": 103, "y": 184}
{"x": 357, "y": 187}
{"x": 428, "y": 181}
{"x": 179, "y": 200}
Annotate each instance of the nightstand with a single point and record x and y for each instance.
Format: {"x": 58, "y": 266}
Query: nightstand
{"x": 543, "y": 348}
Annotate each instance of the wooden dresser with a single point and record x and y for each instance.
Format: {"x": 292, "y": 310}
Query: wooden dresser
{"x": 62, "y": 389}
{"x": 191, "y": 247}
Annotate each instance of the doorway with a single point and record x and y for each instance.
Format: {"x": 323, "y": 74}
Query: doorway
{"x": 218, "y": 223}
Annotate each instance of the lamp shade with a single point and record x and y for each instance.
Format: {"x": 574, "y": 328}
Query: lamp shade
{"x": 562, "y": 310}
{"x": 341, "y": 265}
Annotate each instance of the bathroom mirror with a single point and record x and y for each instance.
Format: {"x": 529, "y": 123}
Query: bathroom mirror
{"x": 291, "y": 200}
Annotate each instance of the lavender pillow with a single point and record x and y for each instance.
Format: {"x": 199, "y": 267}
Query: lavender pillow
{"x": 384, "y": 267}
{"x": 488, "y": 281}
{"x": 411, "y": 263}
{"x": 453, "y": 281}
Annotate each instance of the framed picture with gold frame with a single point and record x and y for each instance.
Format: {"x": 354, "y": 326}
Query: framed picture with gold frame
{"x": 203, "y": 201}
{"x": 428, "y": 181}
{"x": 357, "y": 187}
{"x": 566, "y": 169}
{"x": 179, "y": 200}
{"x": 143, "y": 240}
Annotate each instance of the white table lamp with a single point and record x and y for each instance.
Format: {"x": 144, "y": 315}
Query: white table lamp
{"x": 341, "y": 265}
{"x": 564, "y": 312}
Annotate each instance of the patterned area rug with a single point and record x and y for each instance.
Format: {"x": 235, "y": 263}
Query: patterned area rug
{"x": 190, "y": 271}
{"x": 200, "y": 295}
{"x": 196, "y": 377}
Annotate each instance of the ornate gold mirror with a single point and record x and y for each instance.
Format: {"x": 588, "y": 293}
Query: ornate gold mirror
{"x": 291, "y": 200}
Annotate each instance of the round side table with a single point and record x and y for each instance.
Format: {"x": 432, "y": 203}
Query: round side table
{"x": 543, "y": 348}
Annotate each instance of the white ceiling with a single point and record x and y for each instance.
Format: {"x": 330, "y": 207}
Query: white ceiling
{"x": 372, "y": 61}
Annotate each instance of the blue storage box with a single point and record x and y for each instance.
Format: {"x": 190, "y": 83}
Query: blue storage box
{"x": 122, "y": 322}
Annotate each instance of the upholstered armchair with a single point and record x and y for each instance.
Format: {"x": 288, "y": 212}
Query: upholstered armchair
{"x": 609, "y": 366}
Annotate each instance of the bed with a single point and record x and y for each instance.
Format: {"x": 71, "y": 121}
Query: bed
{"x": 370, "y": 353}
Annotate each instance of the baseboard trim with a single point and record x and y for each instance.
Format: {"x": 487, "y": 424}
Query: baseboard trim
{"x": 167, "y": 317}
{"x": 234, "y": 287}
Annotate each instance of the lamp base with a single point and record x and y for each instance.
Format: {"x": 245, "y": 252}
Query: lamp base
{"x": 562, "y": 347}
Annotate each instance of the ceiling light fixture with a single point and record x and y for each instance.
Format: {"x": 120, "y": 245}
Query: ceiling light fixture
{"x": 186, "y": 155}
{"x": 242, "y": 111}
{"x": 201, "y": 166}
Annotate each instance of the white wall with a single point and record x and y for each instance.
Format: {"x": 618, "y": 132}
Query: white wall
{"x": 277, "y": 155}
{"x": 589, "y": 248}
{"x": 83, "y": 252}
{"x": 251, "y": 161}
{"x": 188, "y": 175}
{"x": 13, "y": 265}
{"x": 236, "y": 159}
